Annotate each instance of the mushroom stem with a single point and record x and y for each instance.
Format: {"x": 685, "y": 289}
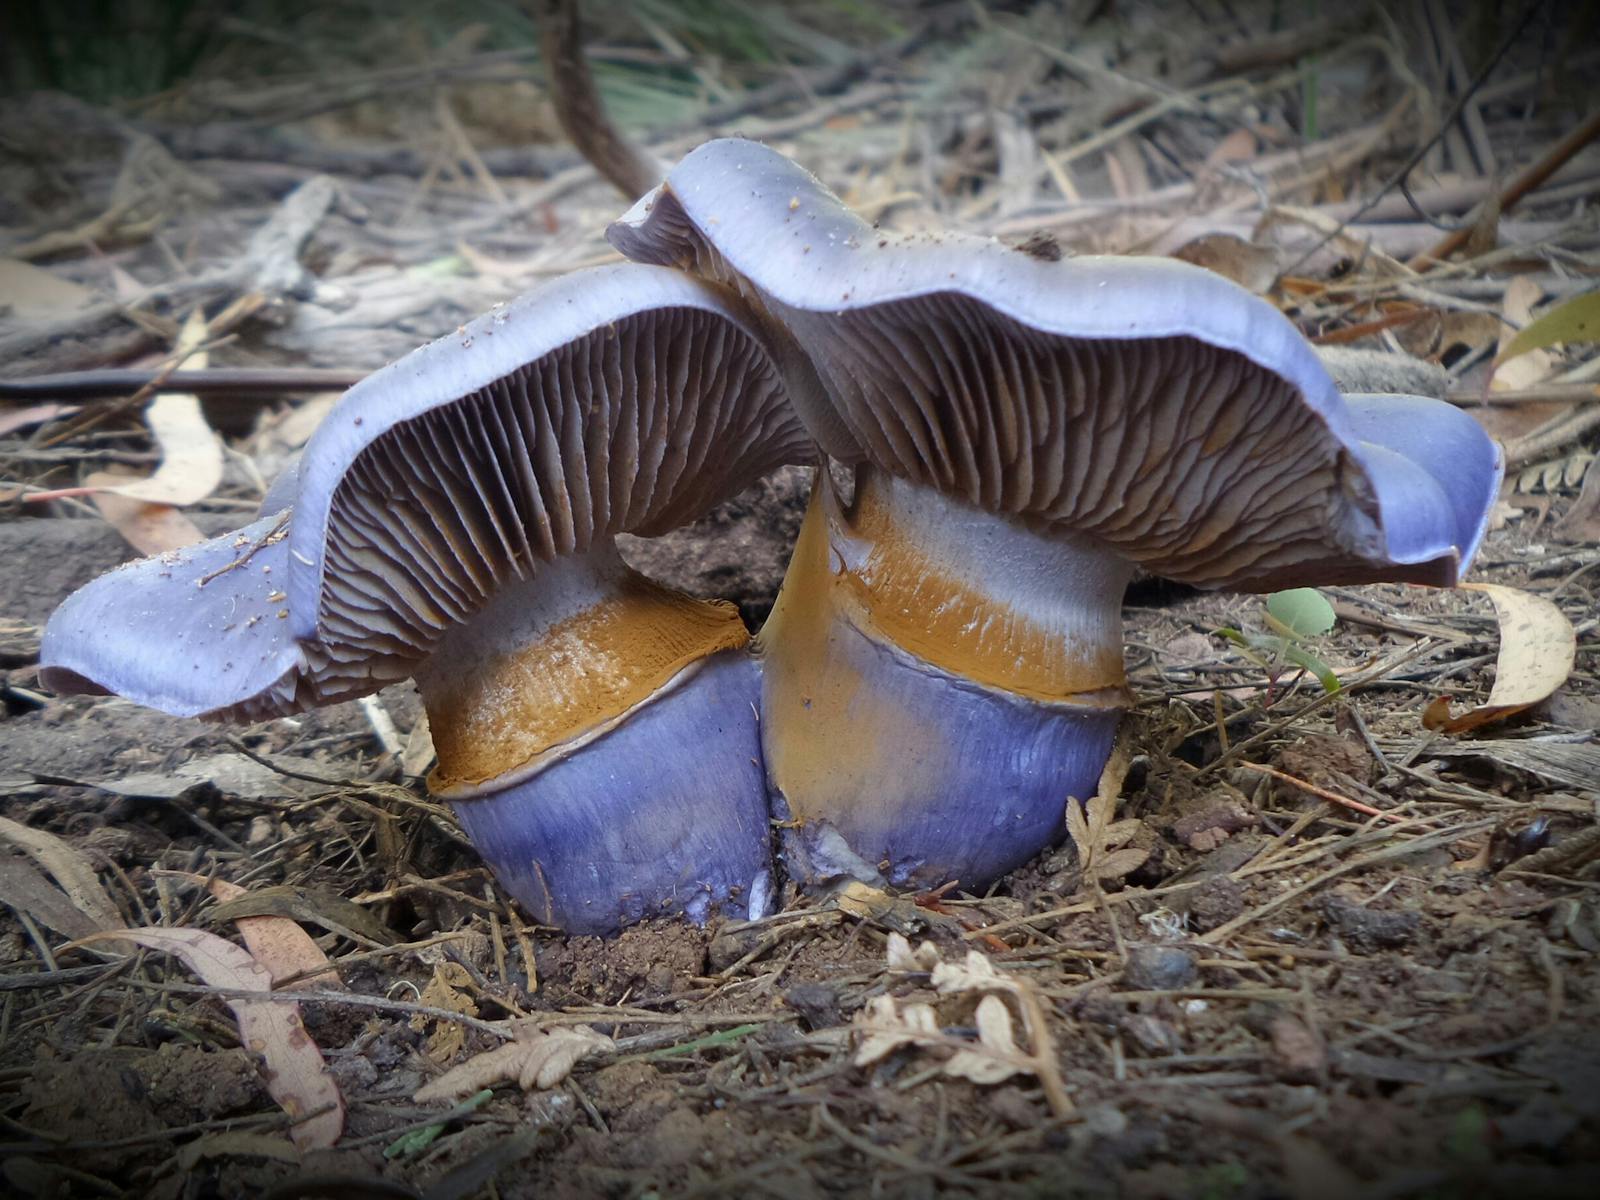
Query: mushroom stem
{"x": 597, "y": 738}
{"x": 937, "y": 681}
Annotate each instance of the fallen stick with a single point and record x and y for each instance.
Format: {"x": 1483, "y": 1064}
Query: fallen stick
{"x": 1525, "y": 182}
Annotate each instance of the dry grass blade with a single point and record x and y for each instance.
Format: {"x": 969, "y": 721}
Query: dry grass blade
{"x": 28, "y": 891}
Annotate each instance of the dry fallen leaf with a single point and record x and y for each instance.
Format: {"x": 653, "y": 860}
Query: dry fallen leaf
{"x": 35, "y": 294}
{"x": 1537, "y": 650}
{"x": 1238, "y": 147}
{"x": 868, "y": 903}
{"x": 191, "y": 452}
{"x": 537, "y": 1059}
{"x": 999, "y": 1057}
{"x": 1575, "y": 320}
{"x": 148, "y": 527}
{"x": 1582, "y": 522}
{"x": 1514, "y": 371}
{"x": 1099, "y": 840}
{"x": 886, "y": 1028}
{"x": 1323, "y": 226}
{"x": 68, "y": 868}
{"x": 34, "y": 414}
{"x": 296, "y": 1076}
{"x": 277, "y": 943}
{"x": 26, "y": 889}
{"x": 901, "y": 957}
{"x": 1251, "y": 266}
{"x": 445, "y": 990}
{"x": 418, "y": 754}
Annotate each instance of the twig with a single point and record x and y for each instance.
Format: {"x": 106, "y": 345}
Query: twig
{"x": 1557, "y": 157}
{"x": 1421, "y": 151}
{"x": 578, "y": 105}
{"x": 212, "y": 381}
{"x": 1324, "y": 793}
{"x": 498, "y": 1029}
{"x": 303, "y": 776}
{"x": 51, "y": 978}
{"x": 1410, "y": 846}
{"x": 1563, "y": 432}
{"x": 1576, "y": 393}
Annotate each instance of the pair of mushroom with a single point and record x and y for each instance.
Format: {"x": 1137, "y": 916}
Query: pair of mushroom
{"x": 943, "y": 667}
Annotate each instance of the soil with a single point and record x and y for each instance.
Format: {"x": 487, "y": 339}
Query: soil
{"x": 1276, "y": 994}
{"x": 1426, "y": 1021}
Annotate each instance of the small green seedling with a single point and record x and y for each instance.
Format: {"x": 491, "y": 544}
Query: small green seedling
{"x": 1292, "y": 618}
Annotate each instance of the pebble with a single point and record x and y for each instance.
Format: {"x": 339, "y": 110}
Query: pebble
{"x": 1158, "y": 968}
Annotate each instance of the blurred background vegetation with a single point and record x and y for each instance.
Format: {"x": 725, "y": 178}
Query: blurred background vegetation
{"x": 659, "y": 59}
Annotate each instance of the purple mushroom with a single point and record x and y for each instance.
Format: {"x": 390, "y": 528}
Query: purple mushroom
{"x": 453, "y": 520}
{"x": 944, "y": 664}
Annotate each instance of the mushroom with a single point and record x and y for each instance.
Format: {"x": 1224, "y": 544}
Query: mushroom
{"x": 944, "y": 665}
{"x": 453, "y": 520}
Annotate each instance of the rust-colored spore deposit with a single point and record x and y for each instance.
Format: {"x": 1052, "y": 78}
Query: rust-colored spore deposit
{"x": 501, "y": 714}
{"x": 840, "y": 730}
{"x": 903, "y": 596}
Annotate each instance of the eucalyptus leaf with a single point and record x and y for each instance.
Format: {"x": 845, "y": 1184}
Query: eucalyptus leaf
{"x": 1576, "y": 320}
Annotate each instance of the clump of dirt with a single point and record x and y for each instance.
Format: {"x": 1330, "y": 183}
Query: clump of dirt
{"x": 1365, "y": 930}
{"x": 188, "y": 1084}
{"x": 1326, "y": 760}
{"x": 110, "y": 1095}
{"x": 655, "y": 958}
{"x": 91, "y": 1096}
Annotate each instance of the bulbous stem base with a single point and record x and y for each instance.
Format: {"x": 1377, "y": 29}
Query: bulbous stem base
{"x": 597, "y": 738}
{"x": 937, "y": 682}
{"x": 666, "y": 813}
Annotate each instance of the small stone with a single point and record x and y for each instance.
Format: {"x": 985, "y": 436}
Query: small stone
{"x": 1298, "y": 1051}
{"x": 817, "y": 1004}
{"x": 1104, "y": 1120}
{"x": 659, "y": 980}
{"x": 1214, "y": 903}
{"x": 1151, "y": 1034}
{"x": 1158, "y": 968}
{"x": 1008, "y": 1104}
{"x": 1365, "y": 930}
{"x": 261, "y": 832}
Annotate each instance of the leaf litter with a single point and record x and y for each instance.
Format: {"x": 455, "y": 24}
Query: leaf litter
{"x": 295, "y": 1073}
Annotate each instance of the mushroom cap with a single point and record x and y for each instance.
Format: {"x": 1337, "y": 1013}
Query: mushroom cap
{"x": 1148, "y": 403}
{"x": 189, "y": 632}
{"x": 623, "y": 399}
